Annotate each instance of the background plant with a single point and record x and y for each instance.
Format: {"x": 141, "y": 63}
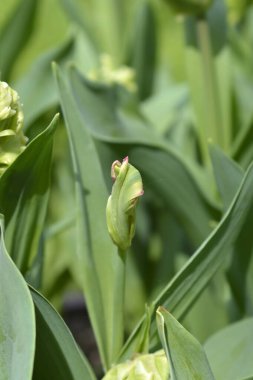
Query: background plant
{"x": 173, "y": 95}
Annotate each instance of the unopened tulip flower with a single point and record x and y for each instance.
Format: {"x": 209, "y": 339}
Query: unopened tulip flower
{"x": 121, "y": 206}
{"x": 12, "y": 139}
{"x": 144, "y": 367}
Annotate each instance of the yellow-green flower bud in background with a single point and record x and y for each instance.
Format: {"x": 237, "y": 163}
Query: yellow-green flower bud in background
{"x": 12, "y": 139}
{"x": 107, "y": 73}
{"x": 121, "y": 205}
{"x": 190, "y": 6}
{"x": 144, "y": 367}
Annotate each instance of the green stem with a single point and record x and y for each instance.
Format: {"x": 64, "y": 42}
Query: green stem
{"x": 214, "y": 127}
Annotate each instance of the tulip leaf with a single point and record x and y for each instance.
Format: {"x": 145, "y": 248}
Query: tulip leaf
{"x": 57, "y": 355}
{"x": 230, "y": 351}
{"x": 128, "y": 134}
{"x": 17, "y": 320}
{"x": 15, "y": 34}
{"x": 24, "y": 195}
{"x": 181, "y": 292}
{"x": 185, "y": 354}
{"x": 100, "y": 268}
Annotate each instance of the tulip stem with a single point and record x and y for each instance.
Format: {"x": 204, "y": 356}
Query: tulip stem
{"x": 213, "y": 127}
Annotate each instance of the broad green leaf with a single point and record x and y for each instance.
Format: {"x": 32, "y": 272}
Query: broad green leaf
{"x": 185, "y": 354}
{"x": 17, "y": 320}
{"x": 230, "y": 351}
{"x": 144, "y": 49}
{"x": 157, "y": 161}
{"x": 15, "y": 34}
{"x": 185, "y": 287}
{"x": 57, "y": 355}
{"x": 100, "y": 268}
{"x": 228, "y": 175}
{"x": 24, "y": 190}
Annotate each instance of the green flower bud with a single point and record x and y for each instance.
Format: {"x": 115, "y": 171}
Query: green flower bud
{"x": 144, "y": 367}
{"x": 12, "y": 139}
{"x": 121, "y": 205}
{"x": 190, "y": 6}
{"x": 109, "y": 74}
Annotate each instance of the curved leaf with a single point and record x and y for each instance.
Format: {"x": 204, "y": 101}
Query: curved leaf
{"x": 230, "y": 351}
{"x": 163, "y": 169}
{"x": 17, "y": 320}
{"x": 24, "y": 190}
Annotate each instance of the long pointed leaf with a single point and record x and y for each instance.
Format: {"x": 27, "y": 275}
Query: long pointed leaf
{"x": 100, "y": 267}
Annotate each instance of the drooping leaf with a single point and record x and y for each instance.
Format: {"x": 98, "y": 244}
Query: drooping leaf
{"x": 57, "y": 356}
{"x": 118, "y": 125}
{"x": 24, "y": 190}
{"x": 15, "y": 34}
{"x": 100, "y": 268}
{"x": 17, "y": 320}
{"x": 230, "y": 351}
{"x": 185, "y": 354}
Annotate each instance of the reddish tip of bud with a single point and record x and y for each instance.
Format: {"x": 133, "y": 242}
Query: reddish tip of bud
{"x": 125, "y": 159}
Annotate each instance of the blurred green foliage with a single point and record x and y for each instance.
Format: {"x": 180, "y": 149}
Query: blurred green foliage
{"x": 173, "y": 92}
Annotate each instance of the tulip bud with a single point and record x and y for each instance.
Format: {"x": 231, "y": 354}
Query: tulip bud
{"x": 145, "y": 367}
{"x": 12, "y": 139}
{"x": 189, "y": 6}
{"x": 121, "y": 205}
{"x": 109, "y": 74}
